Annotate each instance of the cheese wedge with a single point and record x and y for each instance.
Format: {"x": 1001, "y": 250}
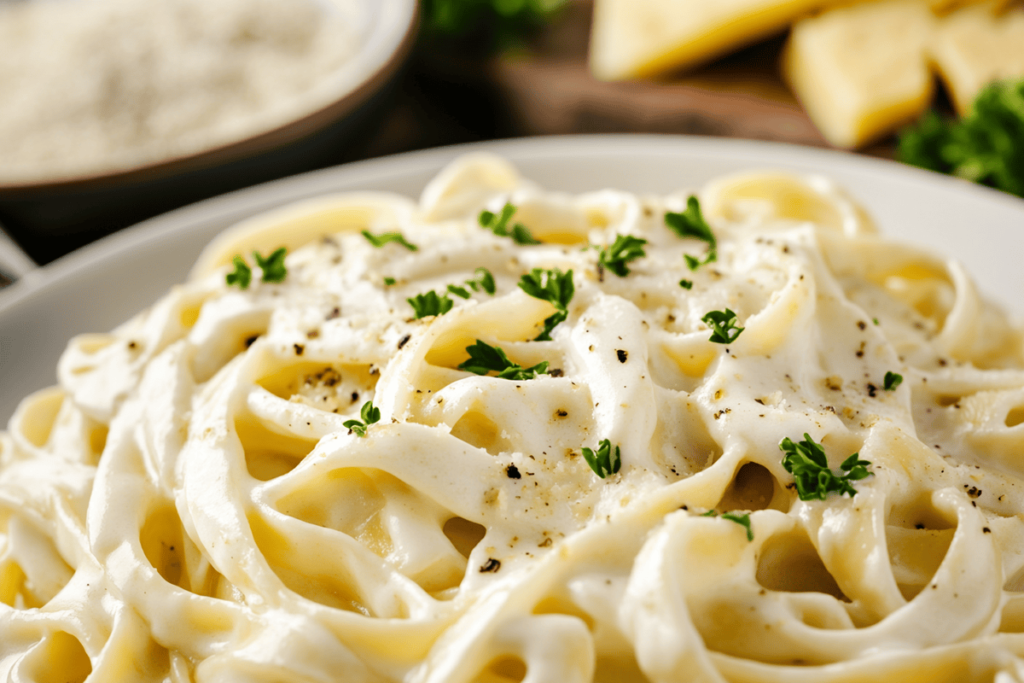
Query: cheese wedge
{"x": 975, "y": 46}
{"x": 641, "y": 38}
{"x": 862, "y": 71}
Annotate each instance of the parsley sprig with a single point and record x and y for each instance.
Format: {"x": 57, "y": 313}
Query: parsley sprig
{"x": 272, "y": 267}
{"x": 385, "y": 237}
{"x": 807, "y": 463}
{"x": 624, "y": 249}
{"x": 986, "y": 146}
{"x": 429, "y": 304}
{"x": 484, "y": 280}
{"x": 691, "y": 223}
{"x": 370, "y": 416}
{"x": 892, "y": 380}
{"x": 484, "y": 358}
{"x": 552, "y": 286}
{"x": 743, "y": 520}
{"x": 498, "y": 224}
{"x": 605, "y": 462}
{"x": 724, "y": 329}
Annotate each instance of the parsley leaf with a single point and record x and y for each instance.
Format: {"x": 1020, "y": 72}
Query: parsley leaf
{"x": 552, "y": 286}
{"x": 430, "y": 304}
{"x": 892, "y": 380}
{"x": 686, "y": 284}
{"x": 389, "y": 281}
{"x": 370, "y": 416}
{"x": 498, "y": 224}
{"x": 272, "y": 266}
{"x": 385, "y": 237}
{"x": 807, "y": 463}
{"x": 460, "y": 292}
{"x": 605, "y": 462}
{"x": 483, "y": 280}
{"x": 484, "y": 24}
{"x": 724, "y": 329}
{"x": 691, "y": 223}
{"x": 743, "y": 520}
{"x": 484, "y": 358}
{"x": 985, "y": 146}
{"x": 241, "y": 275}
{"x": 626, "y": 248}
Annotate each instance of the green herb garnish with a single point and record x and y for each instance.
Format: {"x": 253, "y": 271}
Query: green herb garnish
{"x": 624, "y": 249}
{"x": 389, "y": 281}
{"x": 892, "y": 380}
{"x": 241, "y": 275}
{"x": 484, "y": 358}
{"x": 498, "y": 224}
{"x": 985, "y": 146}
{"x": 370, "y": 416}
{"x": 487, "y": 24}
{"x": 807, "y": 463}
{"x": 460, "y": 292}
{"x": 723, "y": 326}
{"x": 691, "y": 223}
{"x": 686, "y": 284}
{"x": 385, "y": 237}
{"x": 605, "y": 462}
{"x": 552, "y": 286}
{"x": 272, "y": 266}
{"x": 483, "y": 280}
{"x": 743, "y": 520}
{"x": 430, "y": 304}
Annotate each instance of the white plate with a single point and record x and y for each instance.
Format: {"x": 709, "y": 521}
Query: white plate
{"x": 105, "y": 283}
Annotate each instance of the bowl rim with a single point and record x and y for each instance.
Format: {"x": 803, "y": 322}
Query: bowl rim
{"x": 392, "y": 36}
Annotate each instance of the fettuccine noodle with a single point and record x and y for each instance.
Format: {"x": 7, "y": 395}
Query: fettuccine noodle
{"x": 189, "y": 504}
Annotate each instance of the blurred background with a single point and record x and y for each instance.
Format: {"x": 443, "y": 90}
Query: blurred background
{"x": 114, "y": 111}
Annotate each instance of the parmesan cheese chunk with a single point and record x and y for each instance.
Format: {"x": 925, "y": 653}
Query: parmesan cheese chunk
{"x": 975, "y": 46}
{"x": 861, "y": 71}
{"x": 637, "y": 38}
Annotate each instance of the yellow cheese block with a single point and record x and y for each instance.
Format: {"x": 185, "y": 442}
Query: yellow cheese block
{"x": 862, "y": 71}
{"x": 638, "y": 38}
{"x": 975, "y": 46}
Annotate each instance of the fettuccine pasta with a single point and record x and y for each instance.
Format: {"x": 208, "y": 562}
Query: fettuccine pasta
{"x": 506, "y": 434}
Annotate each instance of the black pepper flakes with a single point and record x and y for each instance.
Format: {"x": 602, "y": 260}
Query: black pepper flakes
{"x": 556, "y": 372}
{"x": 513, "y": 472}
{"x": 622, "y": 355}
{"x": 561, "y": 412}
{"x": 872, "y": 390}
{"x": 491, "y": 566}
{"x": 334, "y": 313}
{"x": 299, "y": 349}
{"x": 861, "y": 325}
{"x": 403, "y": 341}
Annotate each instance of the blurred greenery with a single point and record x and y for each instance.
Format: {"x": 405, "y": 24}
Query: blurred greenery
{"x": 486, "y": 24}
{"x": 986, "y": 146}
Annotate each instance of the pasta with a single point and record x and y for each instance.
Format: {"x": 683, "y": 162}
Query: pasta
{"x": 209, "y": 494}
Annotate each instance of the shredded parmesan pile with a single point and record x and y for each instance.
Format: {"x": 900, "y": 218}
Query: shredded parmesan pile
{"x": 93, "y": 86}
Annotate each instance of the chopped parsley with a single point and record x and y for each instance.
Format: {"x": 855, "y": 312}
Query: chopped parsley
{"x": 429, "y": 304}
{"x": 552, "y": 286}
{"x": 370, "y": 416}
{"x": 498, "y": 224}
{"x": 892, "y": 380}
{"x": 385, "y": 237}
{"x": 484, "y": 358}
{"x": 743, "y": 520}
{"x": 241, "y": 275}
{"x": 460, "y": 292}
{"x": 624, "y": 249}
{"x": 691, "y": 223}
{"x": 272, "y": 268}
{"x": 724, "y": 329}
{"x": 389, "y": 281}
{"x": 604, "y": 462}
{"x": 483, "y": 280}
{"x": 986, "y": 146}
{"x": 686, "y": 284}
{"x": 807, "y": 463}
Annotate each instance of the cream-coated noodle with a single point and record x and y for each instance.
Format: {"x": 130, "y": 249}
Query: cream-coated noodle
{"x": 190, "y": 505}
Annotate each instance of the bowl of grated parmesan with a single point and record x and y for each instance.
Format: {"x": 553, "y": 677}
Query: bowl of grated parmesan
{"x": 115, "y": 110}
